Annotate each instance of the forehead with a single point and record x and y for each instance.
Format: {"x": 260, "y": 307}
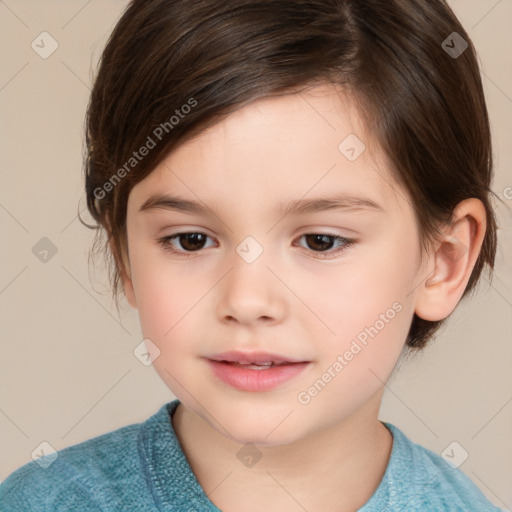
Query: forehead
{"x": 321, "y": 116}
{"x": 276, "y": 150}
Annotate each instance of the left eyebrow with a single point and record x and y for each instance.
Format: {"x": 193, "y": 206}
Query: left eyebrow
{"x": 295, "y": 207}
{"x": 340, "y": 202}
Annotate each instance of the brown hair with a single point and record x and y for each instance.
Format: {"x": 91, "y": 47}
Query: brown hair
{"x": 424, "y": 106}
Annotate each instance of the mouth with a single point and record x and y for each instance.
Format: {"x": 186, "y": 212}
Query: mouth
{"x": 254, "y": 358}
{"x": 256, "y": 371}
{"x": 254, "y": 366}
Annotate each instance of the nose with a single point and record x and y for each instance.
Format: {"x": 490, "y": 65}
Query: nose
{"x": 250, "y": 293}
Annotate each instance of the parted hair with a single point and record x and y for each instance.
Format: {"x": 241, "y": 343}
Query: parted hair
{"x": 424, "y": 106}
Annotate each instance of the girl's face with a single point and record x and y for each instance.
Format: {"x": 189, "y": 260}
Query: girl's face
{"x": 301, "y": 250}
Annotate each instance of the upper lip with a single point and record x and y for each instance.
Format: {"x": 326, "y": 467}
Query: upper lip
{"x": 235, "y": 356}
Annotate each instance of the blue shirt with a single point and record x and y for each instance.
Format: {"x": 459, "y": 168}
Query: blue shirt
{"x": 141, "y": 467}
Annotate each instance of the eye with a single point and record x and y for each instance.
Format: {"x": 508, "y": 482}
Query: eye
{"x": 190, "y": 242}
{"x": 321, "y": 243}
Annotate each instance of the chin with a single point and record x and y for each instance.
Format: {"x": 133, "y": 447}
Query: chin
{"x": 257, "y": 435}
{"x": 264, "y": 428}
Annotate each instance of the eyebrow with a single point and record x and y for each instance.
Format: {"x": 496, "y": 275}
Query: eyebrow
{"x": 295, "y": 207}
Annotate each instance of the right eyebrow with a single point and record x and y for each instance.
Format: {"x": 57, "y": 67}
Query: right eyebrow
{"x": 167, "y": 202}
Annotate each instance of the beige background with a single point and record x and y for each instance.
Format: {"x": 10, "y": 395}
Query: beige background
{"x": 68, "y": 372}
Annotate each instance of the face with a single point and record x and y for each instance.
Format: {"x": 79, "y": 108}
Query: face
{"x": 319, "y": 298}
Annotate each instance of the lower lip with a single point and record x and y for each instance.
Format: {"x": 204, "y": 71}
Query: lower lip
{"x": 255, "y": 380}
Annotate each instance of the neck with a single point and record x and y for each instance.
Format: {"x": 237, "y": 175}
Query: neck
{"x": 336, "y": 469}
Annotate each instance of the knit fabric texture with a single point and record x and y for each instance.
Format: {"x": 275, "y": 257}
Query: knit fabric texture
{"x": 141, "y": 467}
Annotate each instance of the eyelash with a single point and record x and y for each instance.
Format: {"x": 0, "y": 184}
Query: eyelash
{"x": 165, "y": 242}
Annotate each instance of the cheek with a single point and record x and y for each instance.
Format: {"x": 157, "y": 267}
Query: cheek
{"x": 172, "y": 303}
{"x": 164, "y": 303}
{"x": 168, "y": 305}
{"x": 162, "y": 296}
{"x": 368, "y": 308}
{"x": 370, "y": 333}
{"x": 364, "y": 294}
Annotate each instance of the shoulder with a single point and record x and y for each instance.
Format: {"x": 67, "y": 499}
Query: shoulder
{"x": 432, "y": 483}
{"x": 78, "y": 477}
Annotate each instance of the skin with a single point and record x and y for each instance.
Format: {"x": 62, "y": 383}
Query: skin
{"x": 291, "y": 300}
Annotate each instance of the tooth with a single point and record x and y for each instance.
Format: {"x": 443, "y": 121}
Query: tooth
{"x": 265, "y": 363}
{"x": 255, "y": 366}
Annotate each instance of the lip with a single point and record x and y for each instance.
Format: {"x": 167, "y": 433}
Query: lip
{"x": 250, "y": 379}
{"x": 234, "y": 356}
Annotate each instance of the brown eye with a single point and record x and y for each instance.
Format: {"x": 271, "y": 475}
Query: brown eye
{"x": 186, "y": 242}
{"x": 322, "y": 244}
{"x": 192, "y": 241}
{"x": 319, "y": 242}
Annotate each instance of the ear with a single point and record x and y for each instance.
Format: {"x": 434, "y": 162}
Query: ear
{"x": 452, "y": 261}
{"x": 123, "y": 264}
{"x": 129, "y": 292}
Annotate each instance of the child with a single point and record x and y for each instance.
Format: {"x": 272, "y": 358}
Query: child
{"x": 292, "y": 193}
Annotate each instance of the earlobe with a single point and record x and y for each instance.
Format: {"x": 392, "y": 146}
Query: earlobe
{"x": 128, "y": 289}
{"x": 123, "y": 264}
{"x": 452, "y": 262}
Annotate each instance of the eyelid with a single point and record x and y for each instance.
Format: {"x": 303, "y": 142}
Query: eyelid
{"x": 348, "y": 243}
{"x": 164, "y": 241}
